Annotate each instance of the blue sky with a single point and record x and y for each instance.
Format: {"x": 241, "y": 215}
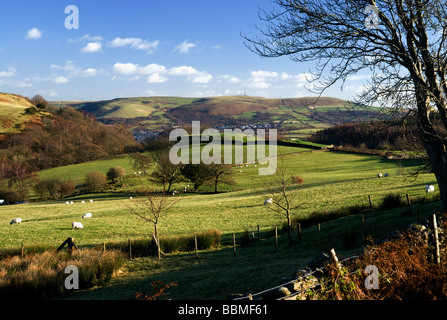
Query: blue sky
{"x": 189, "y": 48}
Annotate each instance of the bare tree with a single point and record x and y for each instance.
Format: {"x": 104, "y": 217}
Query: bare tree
{"x": 220, "y": 173}
{"x": 403, "y": 43}
{"x": 151, "y": 207}
{"x": 280, "y": 188}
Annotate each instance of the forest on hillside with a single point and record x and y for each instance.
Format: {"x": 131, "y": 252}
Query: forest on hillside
{"x": 378, "y": 135}
{"x": 58, "y": 138}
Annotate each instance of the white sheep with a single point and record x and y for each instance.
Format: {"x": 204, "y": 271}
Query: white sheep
{"x": 429, "y": 188}
{"x": 380, "y": 175}
{"x": 66, "y": 202}
{"x": 77, "y": 225}
{"x": 71, "y": 202}
{"x": 268, "y": 201}
{"x": 15, "y": 220}
{"x": 82, "y": 201}
{"x": 87, "y": 215}
{"x": 91, "y": 200}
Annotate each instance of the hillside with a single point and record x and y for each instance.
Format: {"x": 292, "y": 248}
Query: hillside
{"x": 12, "y": 112}
{"x": 296, "y": 116}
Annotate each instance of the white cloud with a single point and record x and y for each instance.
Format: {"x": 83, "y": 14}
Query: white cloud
{"x": 60, "y": 79}
{"x": 184, "y": 47}
{"x": 92, "y": 47}
{"x": 33, "y": 34}
{"x": 230, "y": 78}
{"x": 260, "y": 79}
{"x": 193, "y": 74}
{"x": 156, "y": 78}
{"x": 201, "y": 77}
{"x": 89, "y": 72}
{"x": 129, "y": 69}
{"x": 158, "y": 73}
{"x": 11, "y": 72}
{"x": 135, "y": 43}
{"x": 183, "y": 71}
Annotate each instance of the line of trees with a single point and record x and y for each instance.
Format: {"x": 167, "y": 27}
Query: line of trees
{"x": 168, "y": 174}
{"x": 373, "y": 135}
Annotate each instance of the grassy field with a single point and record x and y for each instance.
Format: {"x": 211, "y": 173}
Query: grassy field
{"x": 12, "y": 109}
{"x": 331, "y": 180}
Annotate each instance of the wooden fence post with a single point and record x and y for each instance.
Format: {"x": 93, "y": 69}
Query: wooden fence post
{"x": 21, "y": 250}
{"x": 408, "y": 202}
{"x": 299, "y": 233}
{"x": 130, "y": 248}
{"x": 370, "y": 202}
{"x": 195, "y": 245}
{"x": 234, "y": 243}
{"x": 319, "y": 236}
{"x": 334, "y": 257}
{"x": 259, "y": 232}
{"x": 435, "y": 229}
{"x": 363, "y": 227}
{"x": 276, "y": 238}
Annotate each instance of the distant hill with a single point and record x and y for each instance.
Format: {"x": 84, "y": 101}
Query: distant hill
{"x": 12, "y": 112}
{"x": 297, "y": 116}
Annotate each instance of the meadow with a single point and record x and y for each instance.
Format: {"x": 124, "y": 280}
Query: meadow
{"x": 331, "y": 180}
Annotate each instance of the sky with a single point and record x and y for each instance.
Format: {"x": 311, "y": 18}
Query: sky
{"x": 133, "y": 48}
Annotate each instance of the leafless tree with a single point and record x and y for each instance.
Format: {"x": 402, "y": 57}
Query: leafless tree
{"x": 151, "y": 207}
{"x": 280, "y": 188}
{"x": 403, "y": 44}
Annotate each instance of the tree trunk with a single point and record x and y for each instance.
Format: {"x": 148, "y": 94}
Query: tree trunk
{"x": 289, "y": 226}
{"x": 438, "y": 159}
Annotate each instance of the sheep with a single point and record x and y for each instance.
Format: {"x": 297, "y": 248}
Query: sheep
{"x": 82, "y": 201}
{"x": 385, "y": 175}
{"x": 16, "y": 220}
{"x": 429, "y": 188}
{"x": 66, "y": 202}
{"x": 71, "y": 202}
{"x": 91, "y": 200}
{"x": 77, "y": 225}
{"x": 130, "y": 198}
{"x": 268, "y": 201}
{"x": 380, "y": 175}
{"x": 87, "y": 215}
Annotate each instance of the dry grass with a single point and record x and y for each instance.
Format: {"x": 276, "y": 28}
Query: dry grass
{"x": 407, "y": 271}
{"x": 42, "y": 275}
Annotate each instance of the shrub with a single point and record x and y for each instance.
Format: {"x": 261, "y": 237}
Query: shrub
{"x": 42, "y": 275}
{"x": 95, "y": 181}
{"x": 391, "y": 201}
{"x": 146, "y": 246}
{"x": 405, "y": 272}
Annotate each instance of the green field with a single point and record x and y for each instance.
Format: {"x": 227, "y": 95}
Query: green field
{"x": 331, "y": 180}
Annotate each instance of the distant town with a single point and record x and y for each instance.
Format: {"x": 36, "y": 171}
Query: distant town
{"x": 145, "y": 134}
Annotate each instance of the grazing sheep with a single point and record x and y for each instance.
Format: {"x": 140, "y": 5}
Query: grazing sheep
{"x": 429, "y": 188}
{"x": 71, "y": 202}
{"x": 66, "y": 202}
{"x": 77, "y": 225}
{"x": 15, "y": 220}
{"x": 130, "y": 198}
{"x": 91, "y": 200}
{"x": 380, "y": 175}
{"x": 385, "y": 175}
{"x": 82, "y": 201}
{"x": 268, "y": 201}
{"x": 87, "y": 215}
